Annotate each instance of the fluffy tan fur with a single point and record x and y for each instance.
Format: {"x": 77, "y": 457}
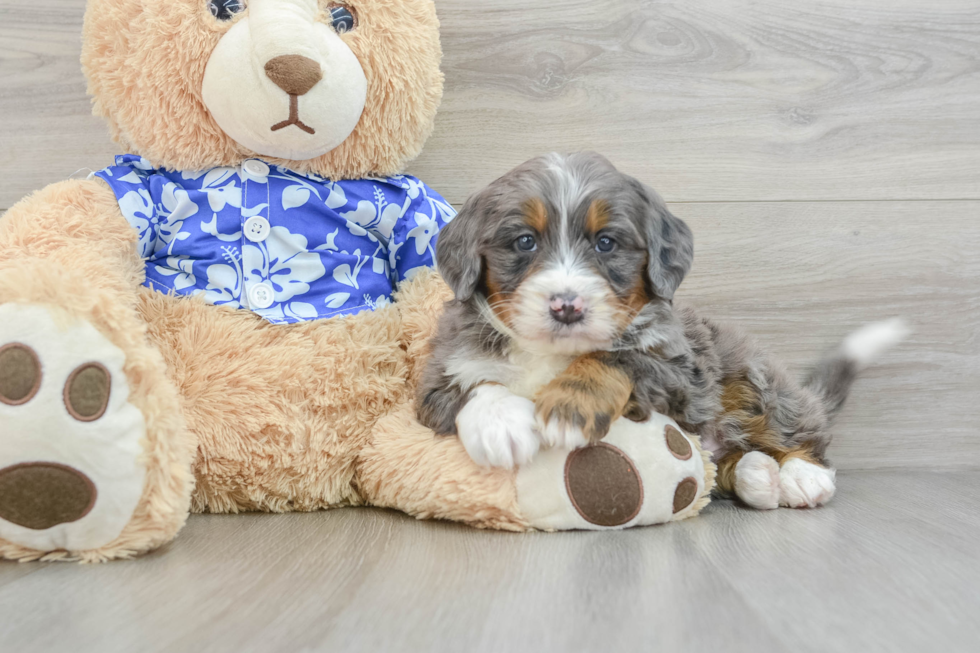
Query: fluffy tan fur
{"x": 68, "y": 248}
{"x": 145, "y": 62}
{"x": 263, "y": 417}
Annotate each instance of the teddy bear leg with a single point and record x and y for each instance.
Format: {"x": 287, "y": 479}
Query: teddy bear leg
{"x": 409, "y": 468}
{"x": 95, "y": 462}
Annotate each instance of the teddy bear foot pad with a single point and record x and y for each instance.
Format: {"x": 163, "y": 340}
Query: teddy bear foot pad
{"x": 70, "y": 475}
{"x": 640, "y": 474}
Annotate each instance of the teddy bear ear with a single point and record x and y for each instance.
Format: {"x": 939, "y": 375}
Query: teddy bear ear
{"x": 238, "y": 88}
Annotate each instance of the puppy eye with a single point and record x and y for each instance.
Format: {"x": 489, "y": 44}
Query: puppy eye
{"x": 605, "y": 244}
{"x": 526, "y": 244}
{"x": 225, "y": 9}
{"x": 343, "y": 18}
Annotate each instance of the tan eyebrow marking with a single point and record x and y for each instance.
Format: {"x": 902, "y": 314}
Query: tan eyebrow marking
{"x": 597, "y": 217}
{"x": 536, "y": 215}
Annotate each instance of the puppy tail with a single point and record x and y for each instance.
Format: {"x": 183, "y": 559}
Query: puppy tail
{"x": 832, "y": 377}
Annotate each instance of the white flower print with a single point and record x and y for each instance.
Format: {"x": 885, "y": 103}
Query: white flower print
{"x": 337, "y": 299}
{"x": 328, "y": 247}
{"x": 423, "y": 233}
{"x": 414, "y": 187}
{"x": 375, "y": 304}
{"x": 137, "y": 207}
{"x": 175, "y": 206}
{"x": 228, "y": 194}
{"x": 284, "y": 260}
{"x": 292, "y": 312}
{"x": 337, "y": 197}
{"x": 225, "y": 282}
{"x": 378, "y": 217}
{"x": 345, "y": 275}
{"x": 182, "y": 269}
{"x": 294, "y": 196}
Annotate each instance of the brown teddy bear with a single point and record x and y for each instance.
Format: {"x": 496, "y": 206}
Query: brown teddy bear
{"x": 208, "y": 325}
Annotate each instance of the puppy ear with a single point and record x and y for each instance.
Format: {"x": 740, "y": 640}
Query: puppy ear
{"x": 670, "y": 247}
{"x": 458, "y": 250}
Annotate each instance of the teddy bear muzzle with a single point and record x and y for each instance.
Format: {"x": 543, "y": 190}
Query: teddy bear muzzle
{"x": 283, "y": 83}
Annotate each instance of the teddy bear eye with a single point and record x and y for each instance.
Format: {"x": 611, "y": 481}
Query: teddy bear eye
{"x": 343, "y": 18}
{"x": 225, "y": 9}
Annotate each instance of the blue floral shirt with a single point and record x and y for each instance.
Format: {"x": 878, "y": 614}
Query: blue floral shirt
{"x": 288, "y": 246}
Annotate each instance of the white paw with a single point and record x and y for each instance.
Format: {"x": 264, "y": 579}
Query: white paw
{"x": 757, "y": 481}
{"x": 497, "y": 427}
{"x": 70, "y": 475}
{"x": 805, "y": 485}
{"x": 565, "y": 436}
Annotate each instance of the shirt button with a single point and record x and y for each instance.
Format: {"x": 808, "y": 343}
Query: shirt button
{"x": 257, "y": 229}
{"x": 261, "y": 296}
{"x": 256, "y": 168}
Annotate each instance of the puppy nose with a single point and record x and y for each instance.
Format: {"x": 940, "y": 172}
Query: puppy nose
{"x": 294, "y": 73}
{"x": 42, "y": 495}
{"x": 567, "y": 308}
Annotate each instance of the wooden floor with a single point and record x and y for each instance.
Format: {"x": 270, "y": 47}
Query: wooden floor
{"x": 890, "y": 565}
{"x": 827, "y": 156}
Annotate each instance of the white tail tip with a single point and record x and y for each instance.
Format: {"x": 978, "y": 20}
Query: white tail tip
{"x": 872, "y": 340}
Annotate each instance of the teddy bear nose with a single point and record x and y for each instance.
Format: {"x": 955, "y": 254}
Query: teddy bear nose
{"x": 294, "y": 73}
{"x": 41, "y": 495}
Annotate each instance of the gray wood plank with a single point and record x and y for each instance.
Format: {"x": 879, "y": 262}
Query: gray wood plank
{"x": 48, "y": 131}
{"x": 743, "y": 100}
{"x": 800, "y": 276}
{"x": 747, "y": 100}
{"x": 885, "y": 567}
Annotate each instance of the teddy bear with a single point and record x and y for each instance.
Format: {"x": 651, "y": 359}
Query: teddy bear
{"x": 235, "y": 314}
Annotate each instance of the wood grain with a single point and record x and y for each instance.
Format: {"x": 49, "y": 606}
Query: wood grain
{"x": 743, "y": 100}
{"x": 800, "y": 276}
{"x": 888, "y": 566}
{"x": 716, "y": 105}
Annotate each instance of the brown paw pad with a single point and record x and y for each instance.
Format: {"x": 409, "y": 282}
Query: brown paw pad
{"x": 604, "y": 485}
{"x": 41, "y": 495}
{"x": 685, "y": 494}
{"x": 677, "y": 443}
{"x": 87, "y": 392}
{"x": 20, "y": 374}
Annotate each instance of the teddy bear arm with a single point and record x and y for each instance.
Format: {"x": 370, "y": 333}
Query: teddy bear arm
{"x": 85, "y": 397}
{"x": 73, "y": 228}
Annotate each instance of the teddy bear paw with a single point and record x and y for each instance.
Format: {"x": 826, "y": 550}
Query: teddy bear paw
{"x": 70, "y": 475}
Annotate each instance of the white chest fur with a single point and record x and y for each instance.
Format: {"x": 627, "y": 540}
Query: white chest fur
{"x": 523, "y": 372}
{"x": 528, "y": 372}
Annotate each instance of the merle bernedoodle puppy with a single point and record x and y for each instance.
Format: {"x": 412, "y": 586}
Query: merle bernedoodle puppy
{"x": 564, "y": 272}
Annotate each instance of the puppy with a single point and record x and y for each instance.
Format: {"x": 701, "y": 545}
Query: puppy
{"x": 564, "y": 272}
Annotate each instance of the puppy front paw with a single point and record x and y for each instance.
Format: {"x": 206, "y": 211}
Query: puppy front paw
{"x": 496, "y": 427}
{"x": 562, "y": 433}
{"x": 576, "y": 407}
